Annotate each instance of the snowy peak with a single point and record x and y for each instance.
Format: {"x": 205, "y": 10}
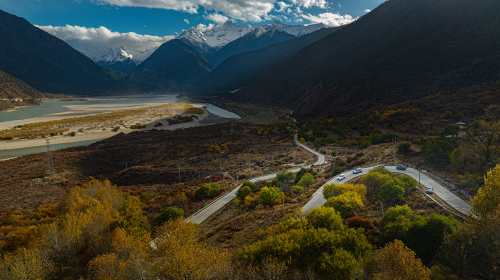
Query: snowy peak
{"x": 119, "y": 54}
{"x": 217, "y": 37}
{"x": 221, "y": 35}
{"x": 298, "y": 30}
{"x": 266, "y": 29}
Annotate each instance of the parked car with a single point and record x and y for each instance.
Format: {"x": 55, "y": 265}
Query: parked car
{"x": 429, "y": 191}
{"x": 380, "y": 165}
{"x": 341, "y": 177}
{"x": 401, "y": 167}
{"x": 357, "y": 170}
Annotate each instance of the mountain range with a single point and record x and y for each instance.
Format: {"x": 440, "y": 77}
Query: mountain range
{"x": 400, "y": 51}
{"x": 48, "y": 64}
{"x": 210, "y": 43}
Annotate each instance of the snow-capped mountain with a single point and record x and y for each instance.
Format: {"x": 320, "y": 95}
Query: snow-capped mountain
{"x": 221, "y": 35}
{"x": 298, "y": 30}
{"x": 217, "y": 37}
{"x": 119, "y": 59}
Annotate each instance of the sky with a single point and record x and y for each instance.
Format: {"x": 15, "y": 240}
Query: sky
{"x": 144, "y": 24}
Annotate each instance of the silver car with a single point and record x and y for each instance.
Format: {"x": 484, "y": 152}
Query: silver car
{"x": 357, "y": 170}
{"x": 341, "y": 177}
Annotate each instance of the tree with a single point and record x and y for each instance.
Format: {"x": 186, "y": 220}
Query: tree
{"x": 381, "y": 170}
{"x": 392, "y": 214}
{"x": 268, "y": 195}
{"x": 223, "y": 147}
{"x": 131, "y": 218}
{"x": 333, "y": 254}
{"x": 404, "y": 147}
{"x": 408, "y": 183}
{"x": 396, "y": 262}
{"x": 336, "y": 170}
{"x": 346, "y": 204}
{"x": 325, "y": 217}
{"x": 252, "y": 185}
{"x": 438, "y": 154}
{"x": 24, "y": 264}
{"x": 207, "y": 191}
{"x": 373, "y": 181}
{"x": 171, "y": 213}
{"x": 243, "y": 191}
{"x": 330, "y": 190}
{"x": 179, "y": 254}
{"x": 487, "y": 199}
{"x": 284, "y": 177}
{"x": 306, "y": 180}
{"x": 393, "y": 192}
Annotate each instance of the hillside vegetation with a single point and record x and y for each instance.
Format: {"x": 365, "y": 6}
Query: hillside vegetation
{"x": 402, "y": 50}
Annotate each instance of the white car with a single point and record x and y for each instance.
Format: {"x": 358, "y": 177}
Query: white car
{"x": 357, "y": 170}
{"x": 341, "y": 177}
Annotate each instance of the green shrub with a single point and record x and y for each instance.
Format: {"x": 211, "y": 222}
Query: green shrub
{"x": 336, "y": 170}
{"x": 297, "y": 189}
{"x": 243, "y": 191}
{"x": 146, "y": 197}
{"x": 334, "y": 153}
{"x": 207, "y": 191}
{"x": 393, "y": 192}
{"x": 171, "y": 213}
{"x": 252, "y": 186}
{"x": 268, "y": 195}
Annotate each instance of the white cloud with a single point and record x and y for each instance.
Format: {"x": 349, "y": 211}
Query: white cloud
{"x": 367, "y": 10}
{"x": 283, "y": 6}
{"x": 217, "y": 18}
{"x": 186, "y": 21}
{"x": 246, "y": 10}
{"x": 329, "y": 19}
{"x": 88, "y": 40}
{"x": 323, "y": 4}
{"x": 203, "y": 27}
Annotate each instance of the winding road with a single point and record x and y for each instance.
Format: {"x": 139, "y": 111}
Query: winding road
{"x": 317, "y": 199}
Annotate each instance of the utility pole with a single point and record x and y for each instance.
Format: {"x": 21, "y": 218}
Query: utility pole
{"x": 381, "y": 203}
{"x": 50, "y": 165}
{"x": 126, "y": 165}
{"x": 179, "y": 173}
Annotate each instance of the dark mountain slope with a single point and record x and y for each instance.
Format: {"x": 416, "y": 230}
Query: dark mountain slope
{"x": 14, "y": 92}
{"x": 47, "y": 63}
{"x": 401, "y": 50}
{"x": 173, "y": 66}
{"x": 260, "y": 37}
{"x": 237, "y": 70}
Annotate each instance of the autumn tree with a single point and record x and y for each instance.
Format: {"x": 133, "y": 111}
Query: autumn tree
{"x": 306, "y": 180}
{"x": 346, "y": 204}
{"x": 373, "y": 181}
{"x": 178, "y": 254}
{"x": 396, "y": 262}
{"x": 268, "y": 195}
{"x": 24, "y": 264}
{"x": 393, "y": 192}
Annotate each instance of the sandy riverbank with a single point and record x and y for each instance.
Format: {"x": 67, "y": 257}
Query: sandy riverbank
{"x": 83, "y": 133}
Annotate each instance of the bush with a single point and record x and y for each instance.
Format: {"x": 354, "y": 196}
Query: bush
{"x": 146, "y": 197}
{"x": 223, "y": 147}
{"x": 207, "y": 191}
{"x": 297, "y": 189}
{"x": 236, "y": 201}
{"x": 381, "y": 170}
{"x": 334, "y": 153}
{"x": 243, "y": 191}
{"x": 336, "y": 170}
{"x": 252, "y": 186}
{"x": 306, "y": 180}
{"x": 268, "y": 195}
{"x": 171, "y": 213}
{"x": 302, "y": 172}
{"x": 360, "y": 222}
{"x": 346, "y": 204}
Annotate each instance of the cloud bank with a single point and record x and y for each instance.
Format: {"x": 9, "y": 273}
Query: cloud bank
{"x": 89, "y": 40}
{"x": 329, "y": 19}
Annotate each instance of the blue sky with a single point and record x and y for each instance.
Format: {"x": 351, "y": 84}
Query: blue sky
{"x": 162, "y": 19}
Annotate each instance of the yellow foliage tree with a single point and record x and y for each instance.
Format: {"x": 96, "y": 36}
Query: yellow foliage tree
{"x": 397, "y": 262}
{"x": 24, "y": 264}
{"x": 178, "y": 254}
{"x": 487, "y": 199}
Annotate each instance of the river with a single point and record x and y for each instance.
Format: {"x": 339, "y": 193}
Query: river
{"x": 95, "y": 105}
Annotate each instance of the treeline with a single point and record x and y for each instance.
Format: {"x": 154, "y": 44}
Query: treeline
{"x": 100, "y": 233}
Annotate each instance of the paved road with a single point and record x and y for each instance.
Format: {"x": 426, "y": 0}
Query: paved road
{"x": 208, "y": 210}
{"x": 454, "y": 201}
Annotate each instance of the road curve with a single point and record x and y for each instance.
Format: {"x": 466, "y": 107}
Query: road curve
{"x": 450, "y": 198}
{"x": 211, "y": 208}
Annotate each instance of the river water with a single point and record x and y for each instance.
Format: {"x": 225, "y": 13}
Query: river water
{"x": 55, "y": 106}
